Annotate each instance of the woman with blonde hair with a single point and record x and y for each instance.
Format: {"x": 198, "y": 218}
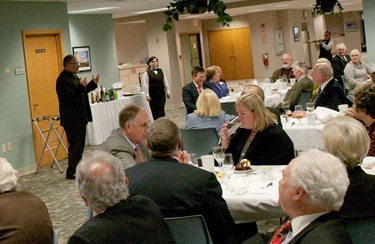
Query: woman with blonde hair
{"x": 347, "y": 139}
{"x": 208, "y": 113}
{"x": 260, "y": 139}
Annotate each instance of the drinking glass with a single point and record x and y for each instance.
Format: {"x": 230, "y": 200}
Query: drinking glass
{"x": 228, "y": 165}
{"x": 310, "y": 107}
{"x": 219, "y": 155}
{"x": 298, "y": 111}
{"x": 286, "y": 106}
{"x": 194, "y": 159}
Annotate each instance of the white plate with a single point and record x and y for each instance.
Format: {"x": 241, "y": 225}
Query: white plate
{"x": 244, "y": 171}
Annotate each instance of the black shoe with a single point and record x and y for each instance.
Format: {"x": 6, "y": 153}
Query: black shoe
{"x": 70, "y": 176}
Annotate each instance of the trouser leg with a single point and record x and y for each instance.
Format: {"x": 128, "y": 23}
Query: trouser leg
{"x": 76, "y": 138}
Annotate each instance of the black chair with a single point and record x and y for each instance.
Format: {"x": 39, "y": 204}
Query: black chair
{"x": 189, "y": 229}
{"x": 229, "y": 108}
{"x": 361, "y": 231}
{"x": 304, "y": 97}
{"x": 199, "y": 141}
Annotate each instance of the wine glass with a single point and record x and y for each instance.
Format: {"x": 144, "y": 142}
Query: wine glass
{"x": 194, "y": 159}
{"x": 298, "y": 111}
{"x": 219, "y": 154}
{"x": 310, "y": 107}
{"x": 228, "y": 165}
{"x": 286, "y": 106}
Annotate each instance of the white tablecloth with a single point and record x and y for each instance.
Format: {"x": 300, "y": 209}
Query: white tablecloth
{"x": 106, "y": 117}
{"x": 256, "y": 203}
{"x": 304, "y": 136}
{"x": 271, "y": 100}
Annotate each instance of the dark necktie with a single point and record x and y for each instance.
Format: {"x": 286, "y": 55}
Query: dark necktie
{"x": 317, "y": 95}
{"x": 138, "y": 154}
{"x": 344, "y": 58}
{"x": 281, "y": 232}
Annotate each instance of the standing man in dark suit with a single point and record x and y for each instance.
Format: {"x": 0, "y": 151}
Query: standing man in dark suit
{"x": 179, "y": 189}
{"x": 102, "y": 184}
{"x": 191, "y": 91}
{"x": 340, "y": 60}
{"x": 75, "y": 110}
{"x": 312, "y": 189}
{"x": 330, "y": 93}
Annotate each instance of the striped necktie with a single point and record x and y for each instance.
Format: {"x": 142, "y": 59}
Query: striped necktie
{"x": 317, "y": 95}
{"x": 138, "y": 154}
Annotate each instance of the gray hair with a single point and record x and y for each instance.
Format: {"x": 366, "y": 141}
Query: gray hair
{"x": 347, "y": 139}
{"x": 323, "y": 177}
{"x": 163, "y": 137}
{"x": 128, "y": 114}
{"x": 8, "y": 177}
{"x": 340, "y": 45}
{"x": 325, "y": 69}
{"x": 101, "y": 180}
{"x": 300, "y": 66}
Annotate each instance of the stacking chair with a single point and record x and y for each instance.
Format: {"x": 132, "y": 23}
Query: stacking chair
{"x": 361, "y": 231}
{"x": 199, "y": 141}
{"x": 229, "y": 108}
{"x": 304, "y": 97}
{"x": 189, "y": 229}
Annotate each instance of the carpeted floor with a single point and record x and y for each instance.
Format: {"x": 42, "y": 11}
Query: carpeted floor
{"x": 66, "y": 208}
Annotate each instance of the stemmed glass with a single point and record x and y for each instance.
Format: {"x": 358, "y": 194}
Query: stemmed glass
{"x": 298, "y": 111}
{"x": 310, "y": 107}
{"x": 286, "y": 106}
{"x": 219, "y": 154}
{"x": 228, "y": 165}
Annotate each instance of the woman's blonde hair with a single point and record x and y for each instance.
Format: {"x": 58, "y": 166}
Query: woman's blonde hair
{"x": 347, "y": 139}
{"x": 263, "y": 117}
{"x": 210, "y": 72}
{"x": 208, "y": 104}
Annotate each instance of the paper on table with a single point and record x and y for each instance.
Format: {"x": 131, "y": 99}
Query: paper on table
{"x": 238, "y": 185}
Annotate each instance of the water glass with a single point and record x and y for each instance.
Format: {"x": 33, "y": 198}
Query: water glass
{"x": 310, "y": 107}
{"x": 228, "y": 165}
{"x": 194, "y": 159}
{"x": 219, "y": 154}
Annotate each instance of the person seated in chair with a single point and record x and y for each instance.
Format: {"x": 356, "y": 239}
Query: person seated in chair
{"x": 312, "y": 189}
{"x": 102, "y": 184}
{"x": 285, "y": 70}
{"x": 24, "y": 217}
{"x": 214, "y": 83}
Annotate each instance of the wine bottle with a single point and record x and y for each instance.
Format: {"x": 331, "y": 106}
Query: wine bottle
{"x": 102, "y": 94}
{"x": 92, "y": 97}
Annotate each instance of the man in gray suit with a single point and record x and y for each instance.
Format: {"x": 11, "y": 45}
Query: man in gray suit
{"x": 124, "y": 142}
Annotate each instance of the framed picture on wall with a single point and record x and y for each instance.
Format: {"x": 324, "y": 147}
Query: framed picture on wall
{"x": 351, "y": 26}
{"x": 83, "y": 56}
{"x": 296, "y": 33}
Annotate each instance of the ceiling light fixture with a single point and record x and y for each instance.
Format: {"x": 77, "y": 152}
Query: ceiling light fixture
{"x": 91, "y": 10}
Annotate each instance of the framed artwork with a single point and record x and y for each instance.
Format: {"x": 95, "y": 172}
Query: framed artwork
{"x": 351, "y": 26}
{"x": 83, "y": 56}
{"x": 296, "y": 33}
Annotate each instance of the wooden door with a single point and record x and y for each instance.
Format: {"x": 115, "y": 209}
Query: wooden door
{"x": 43, "y": 56}
{"x": 231, "y": 50}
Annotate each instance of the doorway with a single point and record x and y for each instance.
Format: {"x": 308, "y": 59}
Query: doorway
{"x": 191, "y": 53}
{"x": 43, "y": 52}
{"x": 231, "y": 50}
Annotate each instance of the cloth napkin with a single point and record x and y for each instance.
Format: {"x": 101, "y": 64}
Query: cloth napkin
{"x": 238, "y": 185}
{"x": 324, "y": 114}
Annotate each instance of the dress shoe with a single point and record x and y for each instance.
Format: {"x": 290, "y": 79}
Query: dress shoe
{"x": 70, "y": 176}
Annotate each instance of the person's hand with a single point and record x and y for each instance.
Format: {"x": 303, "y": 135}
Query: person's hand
{"x": 95, "y": 79}
{"x": 350, "y": 112}
{"x": 83, "y": 81}
{"x": 168, "y": 96}
{"x": 225, "y": 135}
{"x": 368, "y": 77}
{"x": 183, "y": 157}
{"x": 148, "y": 98}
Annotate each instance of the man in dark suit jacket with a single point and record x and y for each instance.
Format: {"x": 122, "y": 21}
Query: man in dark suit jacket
{"x": 123, "y": 141}
{"x": 331, "y": 93}
{"x": 75, "y": 110}
{"x": 340, "y": 60}
{"x": 311, "y": 203}
{"x": 191, "y": 91}
{"x": 179, "y": 189}
{"x": 102, "y": 184}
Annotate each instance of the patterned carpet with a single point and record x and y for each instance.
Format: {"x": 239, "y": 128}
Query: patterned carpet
{"x": 66, "y": 208}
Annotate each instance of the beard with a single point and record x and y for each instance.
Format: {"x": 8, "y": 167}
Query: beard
{"x": 286, "y": 66}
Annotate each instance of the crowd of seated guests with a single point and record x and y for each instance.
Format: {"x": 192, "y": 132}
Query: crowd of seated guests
{"x": 208, "y": 113}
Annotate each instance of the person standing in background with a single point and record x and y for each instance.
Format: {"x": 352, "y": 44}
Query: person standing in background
{"x": 325, "y": 46}
{"x": 156, "y": 88}
{"x": 75, "y": 110}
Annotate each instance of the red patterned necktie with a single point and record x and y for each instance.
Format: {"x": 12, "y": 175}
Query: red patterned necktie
{"x": 138, "y": 154}
{"x": 199, "y": 89}
{"x": 281, "y": 233}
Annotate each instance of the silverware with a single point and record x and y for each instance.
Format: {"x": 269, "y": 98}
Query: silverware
{"x": 268, "y": 185}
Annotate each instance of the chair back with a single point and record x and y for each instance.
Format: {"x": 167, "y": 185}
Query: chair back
{"x": 189, "y": 229}
{"x": 199, "y": 141}
{"x": 304, "y": 97}
{"x": 55, "y": 237}
{"x": 361, "y": 231}
{"x": 229, "y": 108}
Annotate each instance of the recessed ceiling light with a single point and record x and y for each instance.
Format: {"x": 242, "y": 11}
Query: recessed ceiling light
{"x": 91, "y": 10}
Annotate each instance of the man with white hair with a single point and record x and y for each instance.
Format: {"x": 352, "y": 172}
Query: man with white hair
{"x": 24, "y": 217}
{"x": 311, "y": 192}
{"x": 102, "y": 184}
{"x": 339, "y": 61}
{"x": 285, "y": 70}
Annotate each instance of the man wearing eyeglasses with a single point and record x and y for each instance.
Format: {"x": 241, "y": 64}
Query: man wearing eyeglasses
{"x": 75, "y": 110}
{"x": 285, "y": 70}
